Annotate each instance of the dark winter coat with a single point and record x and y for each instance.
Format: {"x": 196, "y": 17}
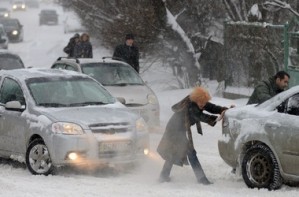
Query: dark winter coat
{"x": 129, "y": 54}
{"x": 83, "y": 50}
{"x": 69, "y": 49}
{"x": 264, "y": 91}
{"x": 174, "y": 144}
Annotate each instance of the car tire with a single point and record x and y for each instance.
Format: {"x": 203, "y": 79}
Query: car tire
{"x": 260, "y": 168}
{"x": 38, "y": 158}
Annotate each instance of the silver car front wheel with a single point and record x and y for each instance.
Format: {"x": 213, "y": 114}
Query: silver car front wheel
{"x": 260, "y": 168}
{"x": 38, "y": 158}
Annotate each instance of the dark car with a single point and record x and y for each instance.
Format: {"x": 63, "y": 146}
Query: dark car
{"x": 48, "y": 16}
{"x": 13, "y": 29}
{"x": 10, "y": 61}
{"x": 4, "y": 13}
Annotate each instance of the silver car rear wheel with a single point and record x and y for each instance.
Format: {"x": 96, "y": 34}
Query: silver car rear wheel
{"x": 38, "y": 158}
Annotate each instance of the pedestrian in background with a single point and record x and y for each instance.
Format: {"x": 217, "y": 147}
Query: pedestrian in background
{"x": 128, "y": 52}
{"x": 83, "y": 49}
{"x": 69, "y": 49}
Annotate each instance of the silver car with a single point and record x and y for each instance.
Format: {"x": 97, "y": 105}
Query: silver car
{"x": 122, "y": 81}
{"x": 261, "y": 141}
{"x": 51, "y": 118}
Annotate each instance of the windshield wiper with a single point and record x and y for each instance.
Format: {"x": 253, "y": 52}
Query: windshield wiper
{"x": 88, "y": 103}
{"x": 52, "y": 105}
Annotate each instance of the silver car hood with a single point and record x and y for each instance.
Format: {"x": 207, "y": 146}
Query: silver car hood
{"x": 136, "y": 94}
{"x": 89, "y": 115}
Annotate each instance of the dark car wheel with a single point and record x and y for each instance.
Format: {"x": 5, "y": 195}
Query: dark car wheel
{"x": 38, "y": 158}
{"x": 260, "y": 168}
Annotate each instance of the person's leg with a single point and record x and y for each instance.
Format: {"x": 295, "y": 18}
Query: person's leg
{"x": 164, "y": 175}
{"x": 197, "y": 169}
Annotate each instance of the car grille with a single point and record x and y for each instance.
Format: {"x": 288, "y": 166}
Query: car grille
{"x": 110, "y": 128}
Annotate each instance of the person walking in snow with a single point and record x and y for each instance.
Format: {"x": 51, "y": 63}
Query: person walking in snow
{"x": 176, "y": 144}
{"x": 128, "y": 52}
{"x": 269, "y": 88}
{"x": 69, "y": 49}
{"x": 83, "y": 49}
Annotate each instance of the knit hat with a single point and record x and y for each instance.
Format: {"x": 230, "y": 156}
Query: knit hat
{"x": 129, "y": 36}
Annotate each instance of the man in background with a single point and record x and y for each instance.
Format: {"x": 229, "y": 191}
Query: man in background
{"x": 128, "y": 52}
{"x": 269, "y": 88}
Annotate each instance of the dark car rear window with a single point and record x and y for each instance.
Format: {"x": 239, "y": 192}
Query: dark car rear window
{"x": 10, "y": 62}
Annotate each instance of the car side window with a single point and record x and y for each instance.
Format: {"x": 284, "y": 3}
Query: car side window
{"x": 293, "y": 105}
{"x": 70, "y": 67}
{"x": 59, "y": 66}
{"x": 11, "y": 91}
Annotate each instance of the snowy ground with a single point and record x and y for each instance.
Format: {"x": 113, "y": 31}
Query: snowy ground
{"x": 41, "y": 47}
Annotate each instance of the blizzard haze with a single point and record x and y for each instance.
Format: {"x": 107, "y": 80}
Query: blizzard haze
{"x": 41, "y": 47}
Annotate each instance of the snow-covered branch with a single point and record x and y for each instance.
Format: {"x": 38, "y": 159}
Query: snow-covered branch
{"x": 280, "y": 4}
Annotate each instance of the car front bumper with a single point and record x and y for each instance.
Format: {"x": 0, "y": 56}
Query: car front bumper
{"x": 97, "y": 149}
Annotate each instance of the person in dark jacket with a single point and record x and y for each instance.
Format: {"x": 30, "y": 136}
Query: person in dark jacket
{"x": 83, "y": 49}
{"x": 69, "y": 49}
{"x": 176, "y": 144}
{"x": 269, "y": 88}
{"x": 128, "y": 52}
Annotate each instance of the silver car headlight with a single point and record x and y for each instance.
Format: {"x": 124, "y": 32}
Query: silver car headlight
{"x": 141, "y": 125}
{"x": 152, "y": 99}
{"x": 67, "y": 128}
{"x": 15, "y": 32}
{"x": 14, "y": 6}
{"x": 6, "y": 15}
{"x": 23, "y": 6}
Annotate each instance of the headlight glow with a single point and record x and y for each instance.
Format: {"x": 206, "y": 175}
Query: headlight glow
{"x": 66, "y": 128}
{"x": 15, "y": 32}
{"x": 152, "y": 99}
{"x": 141, "y": 126}
{"x": 6, "y": 15}
{"x": 23, "y": 6}
{"x": 14, "y": 6}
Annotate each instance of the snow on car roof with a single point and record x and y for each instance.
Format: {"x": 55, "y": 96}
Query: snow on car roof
{"x": 93, "y": 60}
{"x": 37, "y": 72}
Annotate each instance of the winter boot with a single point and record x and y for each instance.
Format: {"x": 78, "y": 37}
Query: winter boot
{"x": 164, "y": 175}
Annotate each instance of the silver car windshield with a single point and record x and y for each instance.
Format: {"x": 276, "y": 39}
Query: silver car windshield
{"x": 67, "y": 92}
{"x": 112, "y": 74}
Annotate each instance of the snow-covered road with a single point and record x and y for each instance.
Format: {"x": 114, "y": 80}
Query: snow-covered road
{"x": 41, "y": 47}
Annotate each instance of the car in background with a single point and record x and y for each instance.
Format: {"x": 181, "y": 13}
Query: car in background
{"x": 3, "y": 38}
{"x": 18, "y": 5}
{"x": 32, "y": 3}
{"x": 10, "y": 60}
{"x": 72, "y": 23}
{"x": 122, "y": 81}
{"x": 13, "y": 29}
{"x": 52, "y": 118}
{"x": 262, "y": 140}
{"x": 4, "y": 13}
{"x": 48, "y": 16}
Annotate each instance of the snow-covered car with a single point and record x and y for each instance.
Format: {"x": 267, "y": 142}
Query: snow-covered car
{"x": 3, "y": 38}
{"x": 48, "y": 16}
{"x": 18, "y": 5}
{"x": 121, "y": 80}
{"x": 13, "y": 28}
{"x": 10, "y": 60}
{"x": 261, "y": 141}
{"x": 51, "y": 118}
{"x": 4, "y": 13}
{"x": 72, "y": 23}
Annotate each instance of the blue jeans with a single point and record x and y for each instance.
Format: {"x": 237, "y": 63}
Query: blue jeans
{"x": 195, "y": 164}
